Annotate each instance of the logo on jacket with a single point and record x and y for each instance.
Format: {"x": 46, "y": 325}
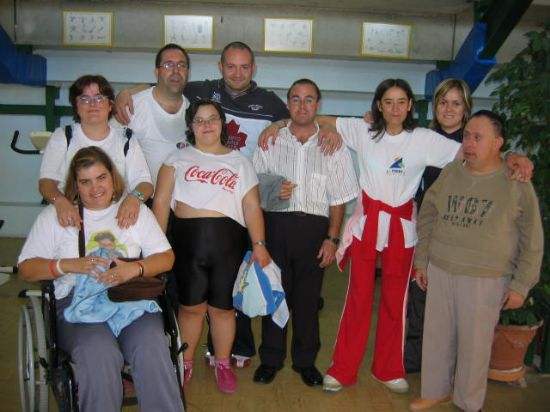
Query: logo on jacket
{"x": 235, "y": 137}
{"x": 397, "y": 167}
{"x": 216, "y": 97}
{"x": 223, "y": 177}
{"x": 255, "y": 107}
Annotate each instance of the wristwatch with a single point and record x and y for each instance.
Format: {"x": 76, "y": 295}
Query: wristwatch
{"x": 334, "y": 240}
{"x": 138, "y": 194}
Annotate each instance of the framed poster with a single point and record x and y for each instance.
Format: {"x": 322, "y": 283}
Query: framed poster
{"x": 288, "y": 35}
{"x": 190, "y": 32}
{"x": 87, "y": 28}
{"x": 386, "y": 40}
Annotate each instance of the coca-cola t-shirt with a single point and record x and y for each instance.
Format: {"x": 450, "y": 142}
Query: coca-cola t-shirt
{"x": 211, "y": 181}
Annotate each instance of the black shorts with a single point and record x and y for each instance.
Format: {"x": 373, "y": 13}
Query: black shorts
{"x": 208, "y": 252}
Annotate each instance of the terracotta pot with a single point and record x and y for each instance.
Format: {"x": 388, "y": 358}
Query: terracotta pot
{"x": 510, "y": 345}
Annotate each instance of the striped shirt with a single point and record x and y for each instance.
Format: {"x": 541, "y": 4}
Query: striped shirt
{"x": 323, "y": 181}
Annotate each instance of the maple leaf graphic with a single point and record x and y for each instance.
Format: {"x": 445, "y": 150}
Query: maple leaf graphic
{"x": 235, "y": 138}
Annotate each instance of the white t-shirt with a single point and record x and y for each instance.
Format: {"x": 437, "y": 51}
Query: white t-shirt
{"x": 57, "y": 156}
{"x": 47, "y": 239}
{"x": 390, "y": 169}
{"x": 213, "y": 182}
{"x": 159, "y": 133}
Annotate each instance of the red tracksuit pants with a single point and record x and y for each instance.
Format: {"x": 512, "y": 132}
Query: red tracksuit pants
{"x": 356, "y": 319}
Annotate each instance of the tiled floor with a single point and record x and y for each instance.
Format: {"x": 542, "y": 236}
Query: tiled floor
{"x": 286, "y": 393}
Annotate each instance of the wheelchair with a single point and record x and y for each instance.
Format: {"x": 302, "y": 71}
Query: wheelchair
{"x": 43, "y": 366}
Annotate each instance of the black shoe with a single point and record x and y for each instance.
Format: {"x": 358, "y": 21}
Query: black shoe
{"x": 310, "y": 375}
{"x": 265, "y": 374}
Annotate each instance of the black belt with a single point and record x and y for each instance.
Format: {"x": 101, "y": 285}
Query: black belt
{"x": 298, "y": 213}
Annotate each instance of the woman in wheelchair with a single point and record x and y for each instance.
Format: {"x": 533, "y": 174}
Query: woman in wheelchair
{"x": 100, "y": 348}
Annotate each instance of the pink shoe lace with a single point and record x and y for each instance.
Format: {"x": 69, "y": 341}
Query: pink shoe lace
{"x": 187, "y": 370}
{"x": 225, "y": 378}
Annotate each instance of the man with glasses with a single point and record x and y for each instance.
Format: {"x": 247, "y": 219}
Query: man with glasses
{"x": 249, "y": 109}
{"x": 303, "y": 237}
{"x": 158, "y": 116}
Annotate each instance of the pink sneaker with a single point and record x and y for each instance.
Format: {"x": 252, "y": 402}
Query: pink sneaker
{"x": 225, "y": 378}
{"x": 187, "y": 370}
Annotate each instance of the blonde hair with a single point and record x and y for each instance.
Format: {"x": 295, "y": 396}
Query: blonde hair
{"x": 442, "y": 90}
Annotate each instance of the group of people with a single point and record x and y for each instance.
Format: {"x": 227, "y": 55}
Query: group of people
{"x": 200, "y": 152}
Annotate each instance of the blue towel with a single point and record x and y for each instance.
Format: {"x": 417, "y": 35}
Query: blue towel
{"x": 259, "y": 292}
{"x": 91, "y": 304}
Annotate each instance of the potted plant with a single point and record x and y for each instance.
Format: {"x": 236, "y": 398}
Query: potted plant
{"x": 523, "y": 91}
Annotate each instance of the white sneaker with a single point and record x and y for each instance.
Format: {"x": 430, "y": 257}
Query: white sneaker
{"x": 239, "y": 361}
{"x": 399, "y": 385}
{"x": 209, "y": 359}
{"x": 331, "y": 384}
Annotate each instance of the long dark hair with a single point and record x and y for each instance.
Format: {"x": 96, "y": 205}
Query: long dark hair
{"x": 191, "y": 112}
{"x": 379, "y": 124}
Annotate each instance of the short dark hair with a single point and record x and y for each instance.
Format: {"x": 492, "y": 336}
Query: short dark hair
{"x": 77, "y": 88}
{"x": 379, "y": 124}
{"x": 191, "y": 112}
{"x": 237, "y": 45}
{"x": 171, "y": 46}
{"x": 84, "y": 158}
{"x": 304, "y": 81}
{"x": 496, "y": 120}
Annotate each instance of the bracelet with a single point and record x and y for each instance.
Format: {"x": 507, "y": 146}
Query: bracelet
{"x": 141, "y": 269}
{"x": 58, "y": 267}
{"x": 53, "y": 270}
{"x": 138, "y": 194}
{"x": 260, "y": 243}
{"x": 334, "y": 240}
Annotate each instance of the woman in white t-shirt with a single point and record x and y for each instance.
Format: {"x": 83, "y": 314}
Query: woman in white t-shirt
{"x": 100, "y": 348}
{"x": 393, "y": 154}
{"x": 92, "y": 97}
{"x": 213, "y": 192}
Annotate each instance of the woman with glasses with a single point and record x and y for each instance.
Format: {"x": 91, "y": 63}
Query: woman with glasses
{"x": 213, "y": 192}
{"x": 91, "y": 98}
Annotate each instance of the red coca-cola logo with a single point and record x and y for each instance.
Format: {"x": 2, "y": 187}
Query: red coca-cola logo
{"x": 222, "y": 177}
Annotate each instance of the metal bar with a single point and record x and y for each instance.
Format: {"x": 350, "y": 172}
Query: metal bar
{"x": 501, "y": 17}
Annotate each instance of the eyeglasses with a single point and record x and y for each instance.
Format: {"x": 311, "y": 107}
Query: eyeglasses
{"x": 170, "y": 65}
{"x": 203, "y": 122}
{"x": 98, "y": 99}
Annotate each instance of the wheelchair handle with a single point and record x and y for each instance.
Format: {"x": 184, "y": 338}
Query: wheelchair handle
{"x": 21, "y": 151}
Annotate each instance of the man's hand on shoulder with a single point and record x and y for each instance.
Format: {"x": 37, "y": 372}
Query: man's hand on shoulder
{"x": 368, "y": 117}
{"x": 270, "y": 134}
{"x": 519, "y": 167}
{"x": 329, "y": 139}
{"x": 123, "y": 104}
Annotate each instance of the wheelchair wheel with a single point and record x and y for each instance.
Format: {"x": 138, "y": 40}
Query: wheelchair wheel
{"x": 33, "y": 385}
